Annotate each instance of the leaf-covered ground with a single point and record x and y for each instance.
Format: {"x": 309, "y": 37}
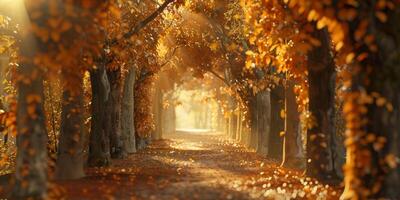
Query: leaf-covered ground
{"x": 193, "y": 166}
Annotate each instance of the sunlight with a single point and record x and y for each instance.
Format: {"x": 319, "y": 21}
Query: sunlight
{"x": 194, "y": 146}
{"x": 11, "y": 7}
{"x": 15, "y": 10}
{"x": 168, "y": 99}
{"x": 7, "y": 2}
{"x": 195, "y": 110}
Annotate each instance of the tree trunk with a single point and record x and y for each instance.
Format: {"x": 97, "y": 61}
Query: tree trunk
{"x": 114, "y": 112}
{"x": 233, "y": 125}
{"x": 157, "y": 109}
{"x": 253, "y": 123}
{"x": 31, "y": 161}
{"x": 264, "y": 120}
{"x": 372, "y": 108}
{"x": 277, "y": 123}
{"x": 292, "y": 147}
{"x": 228, "y": 126}
{"x": 99, "y": 145}
{"x": 70, "y": 157}
{"x": 238, "y": 125}
{"x": 128, "y": 126}
{"x": 321, "y": 137}
{"x": 241, "y": 130}
{"x": 31, "y": 157}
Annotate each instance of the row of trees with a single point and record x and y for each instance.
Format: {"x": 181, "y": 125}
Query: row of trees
{"x": 322, "y": 65}
{"x": 299, "y": 60}
{"x": 107, "y": 46}
{"x": 354, "y": 38}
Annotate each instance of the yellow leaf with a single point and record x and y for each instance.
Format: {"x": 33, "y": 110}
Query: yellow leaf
{"x": 339, "y": 46}
{"x": 349, "y": 58}
{"x": 214, "y": 46}
{"x": 312, "y": 15}
{"x": 321, "y": 24}
{"x": 283, "y": 114}
{"x": 282, "y": 133}
{"x": 391, "y": 160}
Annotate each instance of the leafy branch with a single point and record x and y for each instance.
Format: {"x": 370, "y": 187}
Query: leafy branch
{"x": 138, "y": 27}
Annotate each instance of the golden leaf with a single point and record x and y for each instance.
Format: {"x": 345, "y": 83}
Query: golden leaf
{"x": 391, "y": 160}
{"x": 350, "y": 58}
{"x": 282, "y": 134}
{"x": 283, "y": 114}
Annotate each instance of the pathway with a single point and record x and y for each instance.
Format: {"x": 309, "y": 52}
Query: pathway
{"x": 193, "y": 166}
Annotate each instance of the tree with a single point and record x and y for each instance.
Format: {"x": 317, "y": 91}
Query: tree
{"x": 321, "y": 135}
{"x": 123, "y": 39}
{"x": 371, "y": 106}
{"x": 70, "y": 156}
{"x": 114, "y": 110}
{"x": 69, "y": 45}
{"x": 128, "y": 111}
{"x": 280, "y": 53}
{"x": 293, "y": 154}
{"x": 277, "y": 123}
{"x": 31, "y": 161}
{"x": 99, "y": 143}
{"x": 370, "y": 171}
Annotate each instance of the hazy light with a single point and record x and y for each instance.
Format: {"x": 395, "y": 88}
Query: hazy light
{"x": 15, "y": 9}
{"x": 193, "y": 112}
{"x": 5, "y": 2}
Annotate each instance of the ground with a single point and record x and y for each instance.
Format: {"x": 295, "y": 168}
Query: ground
{"x": 193, "y": 166}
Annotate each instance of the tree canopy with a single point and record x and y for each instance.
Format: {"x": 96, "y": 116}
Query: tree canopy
{"x": 311, "y": 84}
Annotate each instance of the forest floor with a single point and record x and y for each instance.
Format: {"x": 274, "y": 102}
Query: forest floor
{"x": 193, "y": 166}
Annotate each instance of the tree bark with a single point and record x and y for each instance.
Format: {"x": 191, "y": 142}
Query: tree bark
{"x": 253, "y": 123}
{"x": 372, "y": 109}
{"x": 238, "y": 123}
{"x": 234, "y": 125}
{"x": 293, "y": 155}
{"x": 321, "y": 141}
{"x": 228, "y": 126}
{"x": 70, "y": 157}
{"x": 99, "y": 145}
{"x": 114, "y": 112}
{"x": 31, "y": 161}
{"x": 242, "y": 131}
{"x": 264, "y": 121}
{"x": 127, "y": 115}
{"x": 277, "y": 123}
{"x": 157, "y": 109}
{"x": 31, "y": 157}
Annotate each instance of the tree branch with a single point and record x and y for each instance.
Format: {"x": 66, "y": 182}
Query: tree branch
{"x": 146, "y": 74}
{"x": 138, "y": 27}
{"x": 170, "y": 57}
{"x": 219, "y": 77}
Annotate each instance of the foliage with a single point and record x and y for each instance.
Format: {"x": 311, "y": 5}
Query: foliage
{"x": 234, "y": 48}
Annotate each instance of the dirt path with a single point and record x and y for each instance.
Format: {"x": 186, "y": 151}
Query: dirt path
{"x": 192, "y": 166}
